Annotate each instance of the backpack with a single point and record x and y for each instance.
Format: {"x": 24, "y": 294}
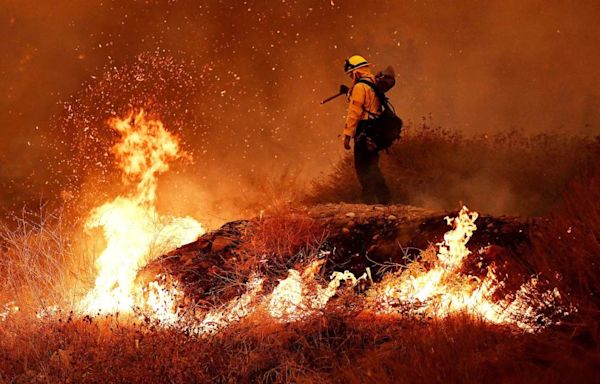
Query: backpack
{"x": 386, "y": 128}
{"x": 386, "y": 79}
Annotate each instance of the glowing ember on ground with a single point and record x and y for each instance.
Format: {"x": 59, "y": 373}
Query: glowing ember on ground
{"x": 134, "y": 231}
{"x": 235, "y": 310}
{"x": 8, "y": 309}
{"x": 160, "y": 305}
{"x": 162, "y": 301}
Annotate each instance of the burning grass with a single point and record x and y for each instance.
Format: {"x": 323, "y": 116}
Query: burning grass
{"x": 336, "y": 341}
{"x": 275, "y": 314}
{"x": 131, "y": 224}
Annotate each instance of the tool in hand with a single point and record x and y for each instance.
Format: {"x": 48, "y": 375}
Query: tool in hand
{"x": 343, "y": 90}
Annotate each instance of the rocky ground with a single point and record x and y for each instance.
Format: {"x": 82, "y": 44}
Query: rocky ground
{"x": 351, "y": 237}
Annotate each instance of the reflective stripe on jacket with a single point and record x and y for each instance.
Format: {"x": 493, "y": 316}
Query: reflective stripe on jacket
{"x": 362, "y": 99}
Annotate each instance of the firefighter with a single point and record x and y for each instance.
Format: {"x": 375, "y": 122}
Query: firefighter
{"x": 363, "y": 105}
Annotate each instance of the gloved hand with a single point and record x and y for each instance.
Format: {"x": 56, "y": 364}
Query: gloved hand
{"x": 344, "y": 89}
{"x": 347, "y": 141}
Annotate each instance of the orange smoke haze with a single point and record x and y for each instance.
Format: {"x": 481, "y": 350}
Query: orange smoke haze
{"x": 241, "y": 82}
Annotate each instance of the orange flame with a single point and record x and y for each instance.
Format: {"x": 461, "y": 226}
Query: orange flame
{"x": 299, "y": 295}
{"x": 162, "y": 307}
{"x": 134, "y": 231}
{"x": 437, "y": 292}
{"x": 443, "y": 290}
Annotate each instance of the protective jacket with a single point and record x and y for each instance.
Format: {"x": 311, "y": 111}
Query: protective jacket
{"x": 361, "y": 99}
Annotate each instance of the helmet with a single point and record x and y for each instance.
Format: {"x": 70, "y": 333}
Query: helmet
{"x": 355, "y": 62}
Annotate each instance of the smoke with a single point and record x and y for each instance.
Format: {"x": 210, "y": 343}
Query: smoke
{"x": 241, "y": 83}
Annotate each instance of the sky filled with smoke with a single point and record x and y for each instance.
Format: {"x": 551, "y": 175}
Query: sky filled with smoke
{"x": 241, "y": 81}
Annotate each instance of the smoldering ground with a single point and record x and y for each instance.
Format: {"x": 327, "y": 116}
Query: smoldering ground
{"x": 241, "y": 83}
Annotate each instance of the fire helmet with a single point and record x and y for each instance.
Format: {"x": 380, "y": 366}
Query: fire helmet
{"x": 355, "y": 62}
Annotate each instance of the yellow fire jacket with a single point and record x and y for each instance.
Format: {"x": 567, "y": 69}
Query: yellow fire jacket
{"x": 361, "y": 99}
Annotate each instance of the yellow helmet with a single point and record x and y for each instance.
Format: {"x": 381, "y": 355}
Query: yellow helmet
{"x": 355, "y": 62}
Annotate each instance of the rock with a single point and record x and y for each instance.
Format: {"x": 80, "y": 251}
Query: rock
{"x": 221, "y": 242}
{"x": 350, "y": 231}
{"x": 187, "y": 258}
{"x": 203, "y": 244}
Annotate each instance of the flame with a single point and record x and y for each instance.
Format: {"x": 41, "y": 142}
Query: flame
{"x": 435, "y": 292}
{"x": 134, "y": 231}
{"x": 162, "y": 307}
{"x": 233, "y": 311}
{"x": 8, "y": 309}
{"x": 297, "y": 297}
{"x": 162, "y": 302}
{"x": 443, "y": 289}
{"x": 129, "y": 223}
{"x": 300, "y": 296}
{"x": 453, "y": 250}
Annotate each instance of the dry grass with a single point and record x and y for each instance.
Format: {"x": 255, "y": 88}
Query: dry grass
{"x": 38, "y": 268}
{"x": 332, "y": 348}
{"x": 335, "y": 347}
{"x": 285, "y": 232}
{"x": 38, "y": 262}
{"x": 506, "y": 173}
{"x": 568, "y": 251}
